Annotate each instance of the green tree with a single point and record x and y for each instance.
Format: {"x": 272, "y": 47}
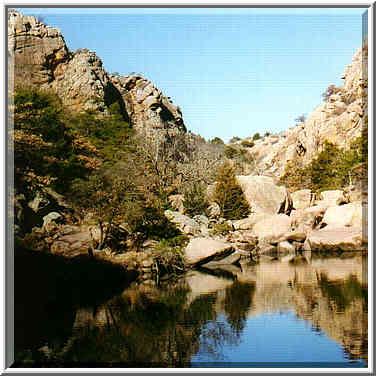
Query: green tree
{"x": 256, "y": 136}
{"x": 217, "y": 140}
{"x": 46, "y": 151}
{"x": 234, "y": 139}
{"x": 194, "y": 200}
{"x": 229, "y": 195}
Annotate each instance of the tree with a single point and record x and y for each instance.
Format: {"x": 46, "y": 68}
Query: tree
{"x": 330, "y": 90}
{"x": 217, "y": 140}
{"x": 194, "y": 200}
{"x": 256, "y": 136}
{"x": 46, "y": 150}
{"x": 229, "y": 195}
{"x": 301, "y": 119}
{"x": 235, "y": 139}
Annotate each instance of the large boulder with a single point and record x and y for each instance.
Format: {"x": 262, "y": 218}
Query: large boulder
{"x": 334, "y": 239}
{"x": 345, "y": 215}
{"x": 53, "y": 216}
{"x": 72, "y": 245}
{"x": 185, "y": 224}
{"x": 304, "y": 220}
{"x": 72, "y": 241}
{"x": 249, "y": 222}
{"x": 233, "y": 258}
{"x": 264, "y": 196}
{"x": 203, "y": 250}
{"x": 272, "y": 228}
{"x": 302, "y": 199}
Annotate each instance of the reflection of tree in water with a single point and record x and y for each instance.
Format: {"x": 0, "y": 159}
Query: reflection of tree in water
{"x": 158, "y": 330}
{"x": 237, "y": 303}
{"x": 338, "y": 308}
{"x": 343, "y": 293}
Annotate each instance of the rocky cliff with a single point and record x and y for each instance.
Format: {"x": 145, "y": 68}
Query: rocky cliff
{"x": 39, "y": 57}
{"x": 339, "y": 120}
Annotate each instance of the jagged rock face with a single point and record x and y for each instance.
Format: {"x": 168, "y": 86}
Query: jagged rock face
{"x": 146, "y": 104}
{"x": 339, "y": 121}
{"x": 37, "y": 49}
{"x": 42, "y": 59}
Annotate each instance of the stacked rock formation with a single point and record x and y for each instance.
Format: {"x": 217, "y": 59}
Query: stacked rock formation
{"x": 39, "y": 57}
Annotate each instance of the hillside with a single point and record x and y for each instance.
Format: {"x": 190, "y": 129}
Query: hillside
{"x": 113, "y": 152}
{"x": 339, "y": 120}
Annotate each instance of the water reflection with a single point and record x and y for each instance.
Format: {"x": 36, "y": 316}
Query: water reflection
{"x": 210, "y": 314}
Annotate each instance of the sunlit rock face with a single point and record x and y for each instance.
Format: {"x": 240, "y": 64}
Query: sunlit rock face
{"x": 147, "y": 106}
{"x": 35, "y": 49}
{"x": 339, "y": 120}
{"x": 39, "y": 57}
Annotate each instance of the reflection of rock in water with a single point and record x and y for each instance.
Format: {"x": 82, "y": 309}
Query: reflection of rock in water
{"x": 146, "y": 326}
{"x": 328, "y": 292}
{"x": 339, "y": 308}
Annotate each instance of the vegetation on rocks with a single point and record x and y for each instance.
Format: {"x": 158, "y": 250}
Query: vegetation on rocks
{"x": 333, "y": 168}
{"x": 221, "y": 229}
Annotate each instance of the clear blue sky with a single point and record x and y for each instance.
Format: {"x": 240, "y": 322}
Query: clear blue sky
{"x": 233, "y": 72}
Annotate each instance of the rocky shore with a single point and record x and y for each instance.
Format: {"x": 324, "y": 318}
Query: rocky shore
{"x": 280, "y": 223}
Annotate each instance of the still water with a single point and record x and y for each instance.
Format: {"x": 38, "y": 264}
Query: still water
{"x": 273, "y": 314}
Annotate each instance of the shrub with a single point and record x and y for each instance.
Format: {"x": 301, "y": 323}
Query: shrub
{"x": 194, "y": 200}
{"x": 248, "y": 143}
{"x": 296, "y": 176}
{"x": 330, "y": 91}
{"x": 301, "y": 119}
{"x": 229, "y": 195}
{"x": 221, "y": 229}
{"x": 234, "y": 139}
{"x": 331, "y": 169}
{"x": 217, "y": 140}
{"x": 256, "y": 136}
{"x": 267, "y": 134}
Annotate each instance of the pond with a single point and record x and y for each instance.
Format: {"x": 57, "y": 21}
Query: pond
{"x": 277, "y": 313}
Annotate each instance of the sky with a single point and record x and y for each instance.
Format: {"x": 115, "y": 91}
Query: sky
{"x": 233, "y": 72}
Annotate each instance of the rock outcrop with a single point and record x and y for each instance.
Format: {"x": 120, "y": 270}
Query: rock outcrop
{"x": 202, "y": 250}
{"x": 39, "y": 57}
{"x": 264, "y": 196}
{"x": 339, "y": 120}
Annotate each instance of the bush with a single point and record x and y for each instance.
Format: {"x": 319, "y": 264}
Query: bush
{"x": 221, "y": 229}
{"x": 217, "y": 140}
{"x": 296, "y": 176}
{"x": 229, "y": 195}
{"x": 256, "y": 136}
{"x": 194, "y": 201}
{"x": 248, "y": 144}
{"x": 331, "y": 169}
{"x": 330, "y": 91}
{"x": 301, "y": 119}
{"x": 235, "y": 139}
